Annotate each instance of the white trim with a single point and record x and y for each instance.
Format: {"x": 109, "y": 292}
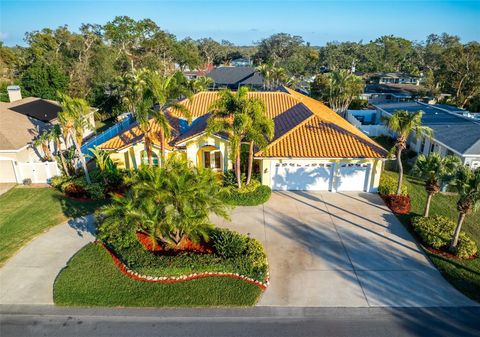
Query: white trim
{"x": 18, "y": 150}
{"x": 184, "y": 143}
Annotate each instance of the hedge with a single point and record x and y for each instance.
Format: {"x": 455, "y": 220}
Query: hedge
{"x": 437, "y": 232}
{"x": 259, "y": 195}
{"x": 388, "y": 185}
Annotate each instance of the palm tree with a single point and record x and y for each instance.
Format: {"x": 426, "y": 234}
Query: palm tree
{"x": 403, "y": 123}
{"x": 229, "y": 115}
{"x": 132, "y": 88}
{"x": 266, "y": 71}
{"x": 73, "y": 117}
{"x": 43, "y": 141}
{"x": 344, "y": 87}
{"x": 260, "y": 133}
{"x": 56, "y": 135}
{"x": 170, "y": 204}
{"x": 165, "y": 92}
{"x": 201, "y": 83}
{"x": 143, "y": 113}
{"x": 434, "y": 170}
{"x": 467, "y": 184}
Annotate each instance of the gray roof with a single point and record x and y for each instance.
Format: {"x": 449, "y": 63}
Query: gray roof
{"x": 457, "y": 132}
{"x": 233, "y": 77}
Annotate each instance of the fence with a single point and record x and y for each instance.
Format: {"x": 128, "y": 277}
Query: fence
{"x": 107, "y": 134}
{"x": 37, "y": 172}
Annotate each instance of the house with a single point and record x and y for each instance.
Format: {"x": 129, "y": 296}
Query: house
{"x": 20, "y": 160}
{"x": 454, "y": 134}
{"x": 393, "y": 78}
{"x": 21, "y": 121}
{"x": 241, "y": 62}
{"x": 313, "y": 147}
{"x": 235, "y": 77}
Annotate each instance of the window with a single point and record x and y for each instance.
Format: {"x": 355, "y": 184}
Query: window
{"x": 145, "y": 158}
{"x": 217, "y": 159}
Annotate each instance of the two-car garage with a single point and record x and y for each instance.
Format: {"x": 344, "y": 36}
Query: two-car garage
{"x": 311, "y": 175}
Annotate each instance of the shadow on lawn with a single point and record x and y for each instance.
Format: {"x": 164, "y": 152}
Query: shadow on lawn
{"x": 73, "y": 208}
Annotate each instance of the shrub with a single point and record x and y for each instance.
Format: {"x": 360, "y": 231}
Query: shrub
{"x": 388, "y": 185}
{"x": 95, "y": 191}
{"x": 399, "y": 204}
{"x": 228, "y": 243}
{"x": 437, "y": 232}
{"x": 58, "y": 181}
{"x": 250, "y": 195}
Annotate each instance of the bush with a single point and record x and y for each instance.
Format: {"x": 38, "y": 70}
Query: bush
{"x": 58, "y": 181}
{"x": 95, "y": 191}
{"x": 249, "y": 195}
{"x": 247, "y": 257}
{"x": 228, "y": 243}
{"x": 388, "y": 185}
{"x": 77, "y": 187}
{"x": 437, "y": 232}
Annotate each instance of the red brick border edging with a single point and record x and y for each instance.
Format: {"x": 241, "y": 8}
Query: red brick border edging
{"x": 182, "y": 278}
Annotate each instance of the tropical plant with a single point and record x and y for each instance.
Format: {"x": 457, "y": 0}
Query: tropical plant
{"x": 170, "y": 204}
{"x": 73, "y": 118}
{"x": 343, "y": 88}
{"x": 201, "y": 83}
{"x": 467, "y": 184}
{"x": 261, "y": 131}
{"x": 143, "y": 114}
{"x": 165, "y": 92}
{"x": 102, "y": 158}
{"x": 43, "y": 140}
{"x": 434, "y": 170}
{"x": 403, "y": 123}
{"x": 229, "y": 114}
{"x": 56, "y": 135}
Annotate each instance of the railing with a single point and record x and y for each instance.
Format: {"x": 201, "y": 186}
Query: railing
{"x": 107, "y": 134}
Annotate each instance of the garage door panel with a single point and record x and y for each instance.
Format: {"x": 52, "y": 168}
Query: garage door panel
{"x": 301, "y": 176}
{"x": 352, "y": 177}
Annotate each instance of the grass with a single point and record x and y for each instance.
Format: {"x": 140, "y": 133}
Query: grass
{"x": 92, "y": 279}
{"x": 463, "y": 274}
{"x": 26, "y": 212}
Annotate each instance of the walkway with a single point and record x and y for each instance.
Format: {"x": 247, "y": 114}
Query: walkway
{"x": 28, "y": 277}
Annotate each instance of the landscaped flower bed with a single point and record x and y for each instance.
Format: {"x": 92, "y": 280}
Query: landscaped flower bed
{"x": 436, "y": 233}
{"x": 228, "y": 254}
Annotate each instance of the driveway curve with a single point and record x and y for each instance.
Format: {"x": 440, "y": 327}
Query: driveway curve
{"x": 28, "y": 277}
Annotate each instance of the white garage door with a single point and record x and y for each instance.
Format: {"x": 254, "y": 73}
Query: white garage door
{"x": 352, "y": 177}
{"x": 301, "y": 175}
{"x": 7, "y": 173}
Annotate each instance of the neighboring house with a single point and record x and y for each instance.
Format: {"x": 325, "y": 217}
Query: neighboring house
{"x": 393, "y": 78}
{"x": 194, "y": 74}
{"x": 241, "y": 62}
{"x": 313, "y": 147}
{"x": 21, "y": 121}
{"x": 19, "y": 159}
{"x": 454, "y": 134}
{"x": 235, "y": 77}
{"x": 386, "y": 93}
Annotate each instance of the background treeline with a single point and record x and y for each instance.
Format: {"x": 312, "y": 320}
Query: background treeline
{"x": 89, "y": 63}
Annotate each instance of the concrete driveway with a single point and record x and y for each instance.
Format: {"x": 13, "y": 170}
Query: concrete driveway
{"x": 341, "y": 250}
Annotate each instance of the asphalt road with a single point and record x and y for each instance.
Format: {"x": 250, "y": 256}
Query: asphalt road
{"x": 24, "y": 321}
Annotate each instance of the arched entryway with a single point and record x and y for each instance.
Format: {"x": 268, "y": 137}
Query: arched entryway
{"x": 209, "y": 156}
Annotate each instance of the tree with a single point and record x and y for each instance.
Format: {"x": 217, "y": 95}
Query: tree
{"x": 201, "y": 83}
{"x": 143, "y": 114}
{"x": 404, "y": 123}
{"x": 434, "y": 170}
{"x": 262, "y": 129}
{"x": 73, "y": 118}
{"x": 170, "y": 204}
{"x": 56, "y": 136}
{"x": 467, "y": 184}
{"x": 43, "y": 141}
{"x": 165, "y": 92}
{"x": 229, "y": 115}
{"x": 343, "y": 88}
{"x": 43, "y": 80}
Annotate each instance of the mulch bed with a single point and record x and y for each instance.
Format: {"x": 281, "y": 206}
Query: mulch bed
{"x": 184, "y": 246}
{"x": 447, "y": 254}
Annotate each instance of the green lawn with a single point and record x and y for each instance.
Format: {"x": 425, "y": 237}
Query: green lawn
{"x": 26, "y": 212}
{"x": 464, "y": 275}
{"x": 92, "y": 279}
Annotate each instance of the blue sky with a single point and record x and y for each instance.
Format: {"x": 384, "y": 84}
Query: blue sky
{"x": 244, "y": 22}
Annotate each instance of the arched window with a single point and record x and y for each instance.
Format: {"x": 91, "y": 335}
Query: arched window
{"x": 145, "y": 158}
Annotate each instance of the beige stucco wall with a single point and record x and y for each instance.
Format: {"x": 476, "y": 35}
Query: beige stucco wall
{"x": 376, "y": 167}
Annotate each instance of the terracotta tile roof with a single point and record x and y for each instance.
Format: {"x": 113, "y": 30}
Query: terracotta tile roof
{"x": 304, "y": 128}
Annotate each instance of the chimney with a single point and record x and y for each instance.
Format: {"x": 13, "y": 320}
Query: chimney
{"x": 14, "y": 93}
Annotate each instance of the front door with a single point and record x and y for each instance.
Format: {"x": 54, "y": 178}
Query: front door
{"x": 212, "y": 160}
